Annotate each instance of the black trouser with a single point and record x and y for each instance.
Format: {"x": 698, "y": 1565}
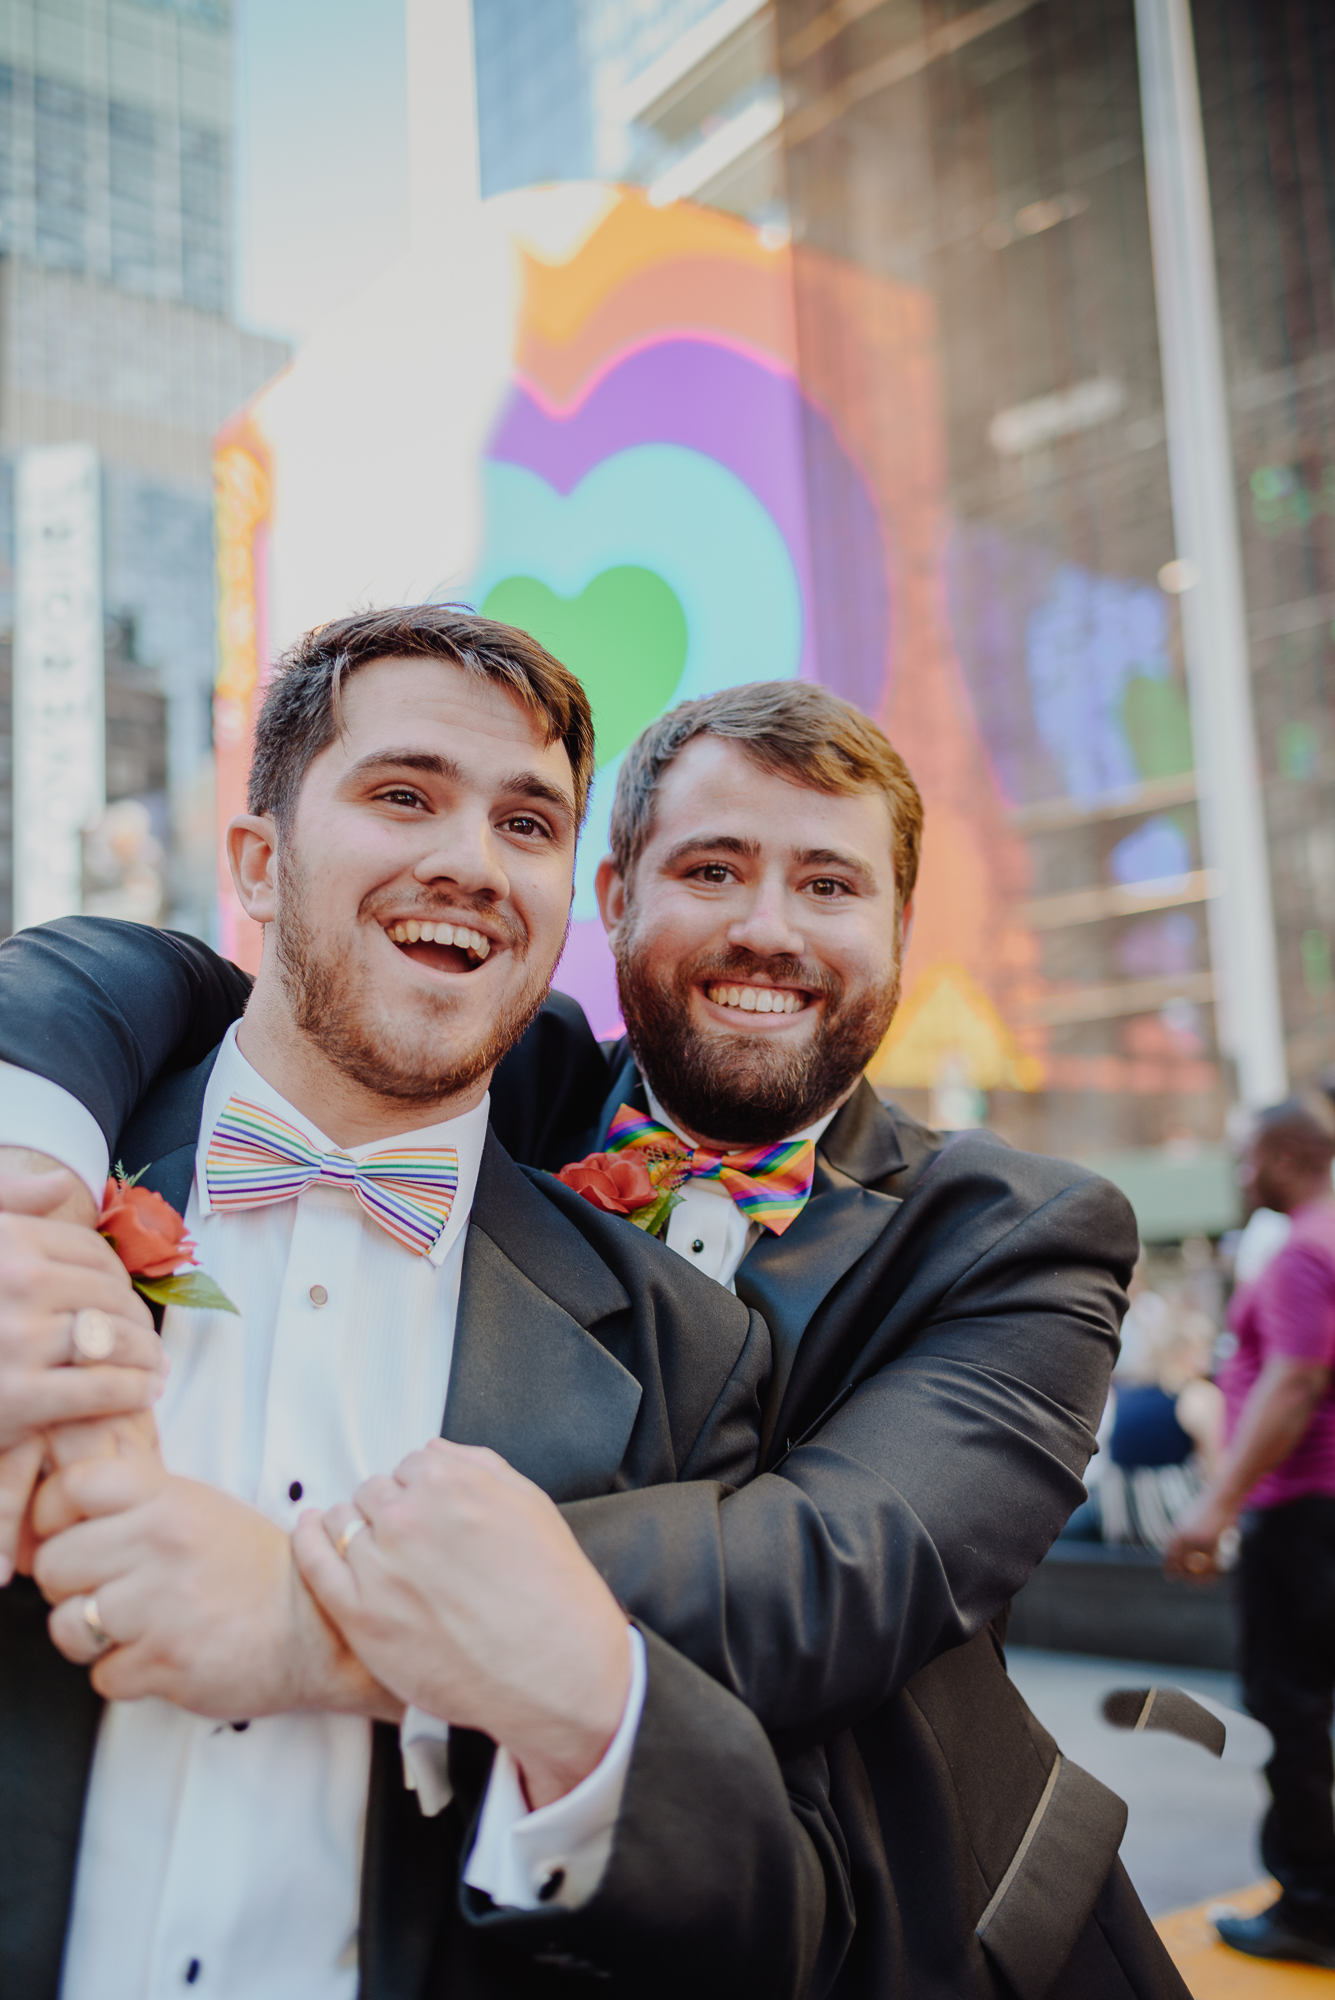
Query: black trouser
{"x": 1286, "y": 1593}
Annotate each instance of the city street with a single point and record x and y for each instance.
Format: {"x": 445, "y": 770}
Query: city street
{"x": 1191, "y": 1833}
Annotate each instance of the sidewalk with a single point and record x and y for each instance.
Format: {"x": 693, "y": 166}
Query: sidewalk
{"x": 1191, "y": 1832}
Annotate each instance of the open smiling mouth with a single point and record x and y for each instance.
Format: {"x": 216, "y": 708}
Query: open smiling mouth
{"x": 444, "y": 947}
{"x": 758, "y": 999}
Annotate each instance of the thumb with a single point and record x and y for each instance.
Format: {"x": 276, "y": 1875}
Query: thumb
{"x": 323, "y": 1571}
{"x": 46, "y": 1194}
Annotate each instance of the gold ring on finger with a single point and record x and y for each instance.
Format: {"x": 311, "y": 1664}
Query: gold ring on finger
{"x": 95, "y": 1625}
{"x": 1198, "y": 1562}
{"x": 94, "y": 1336}
{"x": 353, "y": 1528}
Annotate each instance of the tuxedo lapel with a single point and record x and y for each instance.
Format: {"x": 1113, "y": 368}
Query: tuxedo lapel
{"x": 787, "y": 1278}
{"x": 48, "y": 1727}
{"x": 528, "y": 1378}
{"x": 627, "y": 1088}
{"x": 862, "y": 1140}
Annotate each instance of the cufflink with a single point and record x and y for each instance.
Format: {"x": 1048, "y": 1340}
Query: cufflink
{"x": 552, "y": 1884}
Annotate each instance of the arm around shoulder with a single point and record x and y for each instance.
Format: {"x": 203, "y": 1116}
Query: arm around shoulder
{"x": 935, "y": 1465}
{"x": 101, "y": 1007}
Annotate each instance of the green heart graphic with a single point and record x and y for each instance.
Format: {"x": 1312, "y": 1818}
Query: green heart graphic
{"x": 624, "y": 636}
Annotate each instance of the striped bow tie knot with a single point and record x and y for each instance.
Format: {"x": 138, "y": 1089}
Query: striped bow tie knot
{"x": 256, "y": 1157}
{"x": 770, "y": 1184}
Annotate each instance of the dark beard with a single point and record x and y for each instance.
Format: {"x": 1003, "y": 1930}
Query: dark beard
{"x": 742, "y": 1089}
{"x": 329, "y": 1004}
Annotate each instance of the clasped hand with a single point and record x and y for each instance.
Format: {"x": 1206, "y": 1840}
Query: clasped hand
{"x": 469, "y": 1597}
{"x": 466, "y": 1594}
{"x": 50, "y": 1410}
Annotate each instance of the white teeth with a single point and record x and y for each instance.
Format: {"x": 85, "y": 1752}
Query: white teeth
{"x": 757, "y": 999}
{"x": 410, "y": 931}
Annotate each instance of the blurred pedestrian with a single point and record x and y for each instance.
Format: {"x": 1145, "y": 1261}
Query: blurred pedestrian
{"x": 1161, "y": 1434}
{"x": 1279, "y": 1466}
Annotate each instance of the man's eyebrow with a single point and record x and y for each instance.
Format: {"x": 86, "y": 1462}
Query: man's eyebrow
{"x": 832, "y": 857}
{"x": 528, "y": 785}
{"x": 524, "y": 784}
{"x": 713, "y": 843}
{"x": 806, "y": 857}
{"x": 405, "y": 760}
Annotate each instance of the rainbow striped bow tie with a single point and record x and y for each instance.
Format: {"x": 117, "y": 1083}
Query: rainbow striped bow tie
{"x": 256, "y": 1157}
{"x": 770, "y": 1184}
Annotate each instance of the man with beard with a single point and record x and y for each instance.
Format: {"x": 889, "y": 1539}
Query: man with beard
{"x": 225, "y": 1803}
{"x": 944, "y": 1313}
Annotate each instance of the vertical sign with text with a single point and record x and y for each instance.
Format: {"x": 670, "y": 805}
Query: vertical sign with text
{"x": 59, "y": 724}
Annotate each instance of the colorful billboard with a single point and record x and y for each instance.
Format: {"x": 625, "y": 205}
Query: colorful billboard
{"x": 687, "y": 455}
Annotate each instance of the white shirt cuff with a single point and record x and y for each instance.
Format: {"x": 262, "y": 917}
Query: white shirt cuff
{"x": 424, "y": 1745}
{"x": 39, "y": 1115}
{"x": 556, "y": 1857}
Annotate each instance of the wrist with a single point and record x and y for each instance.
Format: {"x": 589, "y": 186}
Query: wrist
{"x": 559, "y": 1750}
{"x": 325, "y": 1672}
{"x": 1224, "y": 1505}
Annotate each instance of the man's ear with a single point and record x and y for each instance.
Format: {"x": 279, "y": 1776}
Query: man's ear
{"x": 610, "y": 886}
{"x": 905, "y": 926}
{"x": 252, "y": 854}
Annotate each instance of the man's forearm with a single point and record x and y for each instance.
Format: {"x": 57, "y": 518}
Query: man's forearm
{"x": 76, "y": 1205}
{"x": 1273, "y": 1423}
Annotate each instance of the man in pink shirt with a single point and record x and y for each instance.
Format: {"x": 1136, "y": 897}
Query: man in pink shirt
{"x": 1277, "y": 1474}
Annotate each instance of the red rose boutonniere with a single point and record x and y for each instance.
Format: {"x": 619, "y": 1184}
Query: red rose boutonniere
{"x": 149, "y": 1238}
{"x": 626, "y": 1184}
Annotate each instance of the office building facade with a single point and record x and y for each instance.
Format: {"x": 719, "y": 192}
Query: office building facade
{"x": 116, "y": 333}
{"x": 1007, "y": 174}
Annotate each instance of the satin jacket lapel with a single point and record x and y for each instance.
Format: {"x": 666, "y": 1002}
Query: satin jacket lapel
{"x": 528, "y": 1377}
{"x": 862, "y": 1151}
{"x": 787, "y": 1278}
{"x": 48, "y": 1727}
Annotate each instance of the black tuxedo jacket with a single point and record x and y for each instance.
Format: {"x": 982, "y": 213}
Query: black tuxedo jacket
{"x": 593, "y": 1366}
{"x": 944, "y": 1316}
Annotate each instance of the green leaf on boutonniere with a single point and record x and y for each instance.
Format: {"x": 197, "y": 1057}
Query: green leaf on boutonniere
{"x": 187, "y": 1288}
{"x": 653, "y": 1218}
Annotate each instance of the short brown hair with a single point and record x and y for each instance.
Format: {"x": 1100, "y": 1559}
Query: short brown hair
{"x": 792, "y": 729}
{"x": 301, "y": 713}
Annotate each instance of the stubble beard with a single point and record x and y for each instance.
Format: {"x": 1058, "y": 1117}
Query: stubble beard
{"x": 746, "y": 1089}
{"x": 333, "y": 1006}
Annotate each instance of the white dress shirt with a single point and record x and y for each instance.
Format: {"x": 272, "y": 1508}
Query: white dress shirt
{"x": 227, "y": 1856}
{"x": 707, "y": 1228}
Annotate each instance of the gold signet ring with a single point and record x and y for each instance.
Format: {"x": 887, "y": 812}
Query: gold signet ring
{"x": 353, "y": 1528}
{"x": 95, "y": 1625}
{"x": 94, "y": 1336}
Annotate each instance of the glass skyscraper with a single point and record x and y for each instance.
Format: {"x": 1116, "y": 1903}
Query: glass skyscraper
{"x": 115, "y": 331}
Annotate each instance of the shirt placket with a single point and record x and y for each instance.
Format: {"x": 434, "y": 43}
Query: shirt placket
{"x": 306, "y": 1459}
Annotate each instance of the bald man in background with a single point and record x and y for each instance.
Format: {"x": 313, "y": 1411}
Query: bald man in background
{"x": 1277, "y": 1478}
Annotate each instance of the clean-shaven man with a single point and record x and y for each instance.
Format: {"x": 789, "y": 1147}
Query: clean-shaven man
{"x": 945, "y": 1314}
{"x": 222, "y": 1808}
